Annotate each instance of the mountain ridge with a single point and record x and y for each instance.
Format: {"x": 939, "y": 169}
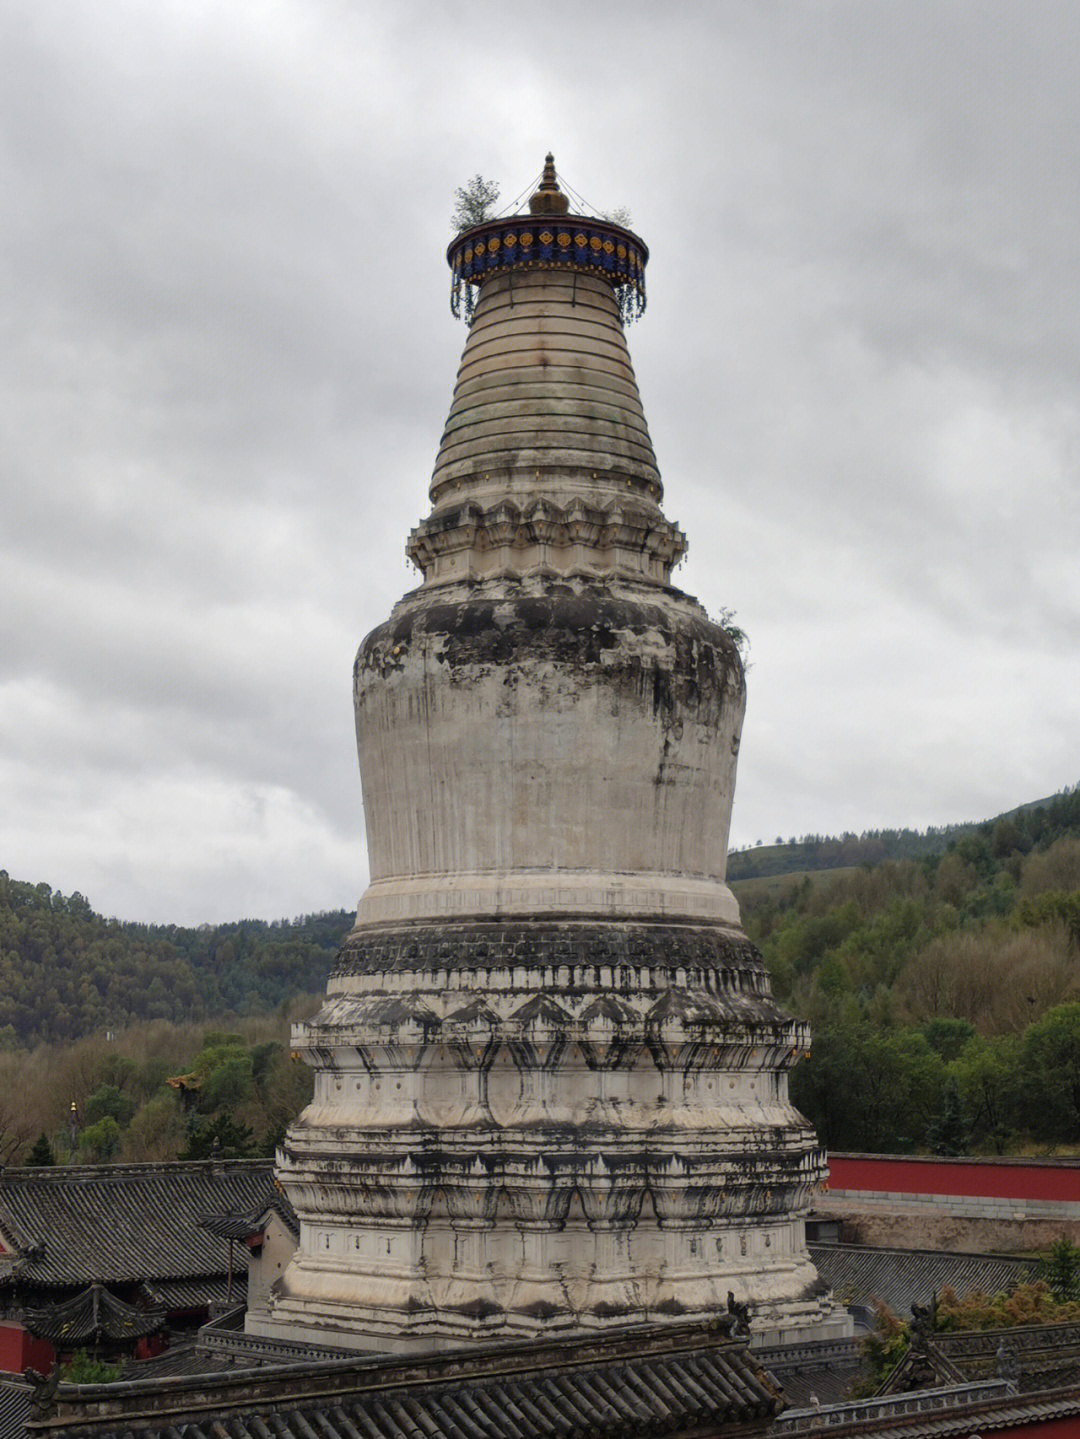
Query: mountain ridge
{"x": 67, "y": 971}
{"x": 827, "y": 852}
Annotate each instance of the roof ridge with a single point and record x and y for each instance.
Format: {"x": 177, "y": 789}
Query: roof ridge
{"x": 64, "y": 1173}
{"x": 904, "y": 1249}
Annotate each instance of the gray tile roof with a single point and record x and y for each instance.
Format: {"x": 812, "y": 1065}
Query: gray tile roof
{"x": 1044, "y": 1356}
{"x": 824, "y": 1370}
{"x": 74, "y": 1225}
{"x": 859, "y": 1274}
{"x": 14, "y": 1408}
{"x": 964, "y": 1410}
{"x": 185, "y": 1358}
{"x": 968, "y": 1396}
{"x": 178, "y": 1295}
{"x": 655, "y": 1379}
{"x": 963, "y": 1426}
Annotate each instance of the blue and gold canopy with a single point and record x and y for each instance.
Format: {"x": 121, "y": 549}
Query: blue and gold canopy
{"x": 548, "y": 239}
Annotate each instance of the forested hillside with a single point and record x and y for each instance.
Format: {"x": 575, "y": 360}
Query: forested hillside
{"x": 944, "y": 992}
{"x": 943, "y": 988}
{"x": 1039, "y": 822}
{"x": 66, "y": 971}
{"x": 154, "y": 1091}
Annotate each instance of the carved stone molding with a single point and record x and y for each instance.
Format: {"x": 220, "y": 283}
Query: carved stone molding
{"x": 509, "y": 539}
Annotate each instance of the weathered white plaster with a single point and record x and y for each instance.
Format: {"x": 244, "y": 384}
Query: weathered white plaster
{"x": 551, "y": 1081}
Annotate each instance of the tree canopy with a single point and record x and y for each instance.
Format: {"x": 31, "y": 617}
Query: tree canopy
{"x": 66, "y": 971}
{"x": 943, "y": 992}
{"x": 474, "y": 202}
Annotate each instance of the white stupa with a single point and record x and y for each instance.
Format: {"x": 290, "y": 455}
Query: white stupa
{"x": 551, "y": 1083}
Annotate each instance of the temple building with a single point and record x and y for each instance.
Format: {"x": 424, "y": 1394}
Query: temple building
{"x": 107, "y": 1256}
{"x": 551, "y": 1081}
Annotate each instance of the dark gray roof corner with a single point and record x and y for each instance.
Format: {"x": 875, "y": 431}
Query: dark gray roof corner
{"x": 92, "y": 1315}
{"x": 125, "y": 1222}
{"x": 249, "y": 1225}
{"x": 233, "y": 1226}
{"x": 204, "y": 1292}
{"x": 279, "y": 1203}
{"x": 11, "y": 1266}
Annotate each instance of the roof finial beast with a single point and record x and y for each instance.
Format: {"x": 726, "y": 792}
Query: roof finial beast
{"x": 549, "y": 199}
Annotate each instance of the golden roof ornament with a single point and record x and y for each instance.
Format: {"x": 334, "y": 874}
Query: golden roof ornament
{"x": 549, "y": 199}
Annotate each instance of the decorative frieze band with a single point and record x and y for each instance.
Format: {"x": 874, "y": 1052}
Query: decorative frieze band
{"x": 562, "y": 954}
{"x": 682, "y": 1029}
{"x": 575, "y": 538}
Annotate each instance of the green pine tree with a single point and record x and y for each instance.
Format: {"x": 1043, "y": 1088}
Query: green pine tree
{"x": 219, "y": 1138}
{"x": 1061, "y": 1269}
{"x": 86, "y": 1368}
{"x": 948, "y": 1131}
{"x": 41, "y": 1152}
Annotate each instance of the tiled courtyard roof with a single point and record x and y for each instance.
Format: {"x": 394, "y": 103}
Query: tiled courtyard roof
{"x": 638, "y": 1382}
{"x": 859, "y": 1274}
{"x": 14, "y": 1407}
{"x": 821, "y": 1372}
{"x": 94, "y": 1314}
{"x": 76, "y": 1225}
{"x": 176, "y": 1295}
{"x": 959, "y": 1413}
{"x": 185, "y": 1357}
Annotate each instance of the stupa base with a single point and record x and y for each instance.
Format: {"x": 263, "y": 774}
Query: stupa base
{"x": 296, "y": 1323}
{"x": 325, "y": 1306}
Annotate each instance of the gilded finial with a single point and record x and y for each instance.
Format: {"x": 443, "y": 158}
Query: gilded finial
{"x": 549, "y": 199}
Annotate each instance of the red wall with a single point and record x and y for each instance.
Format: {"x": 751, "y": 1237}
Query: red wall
{"x": 18, "y": 1349}
{"x": 977, "y": 1178}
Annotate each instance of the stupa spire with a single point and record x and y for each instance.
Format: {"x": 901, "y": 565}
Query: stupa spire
{"x": 546, "y": 462}
{"x": 549, "y": 199}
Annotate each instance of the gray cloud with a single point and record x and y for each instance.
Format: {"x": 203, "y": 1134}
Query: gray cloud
{"x": 228, "y": 357}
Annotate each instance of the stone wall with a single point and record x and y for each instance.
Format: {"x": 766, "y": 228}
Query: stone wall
{"x": 979, "y": 1205}
{"x": 978, "y": 1227}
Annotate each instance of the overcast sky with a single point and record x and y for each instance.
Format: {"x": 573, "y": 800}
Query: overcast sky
{"x": 227, "y": 358}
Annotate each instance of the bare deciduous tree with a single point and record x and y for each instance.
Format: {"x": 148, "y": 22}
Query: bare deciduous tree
{"x": 16, "y": 1123}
